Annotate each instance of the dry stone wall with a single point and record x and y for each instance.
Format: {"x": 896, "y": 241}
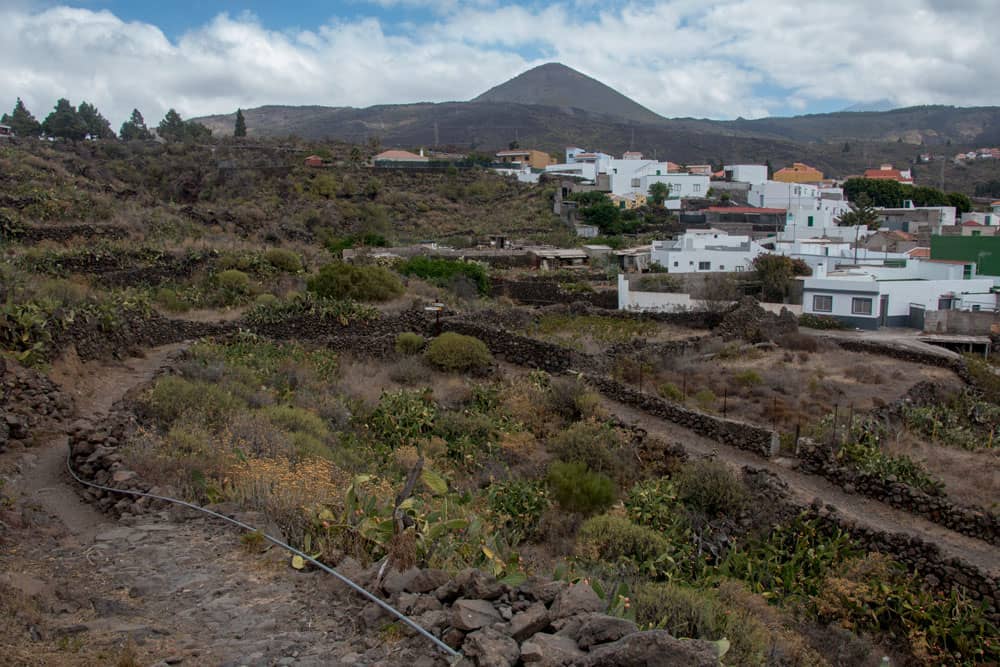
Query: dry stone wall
{"x": 28, "y": 400}
{"x": 741, "y": 435}
{"x": 516, "y": 349}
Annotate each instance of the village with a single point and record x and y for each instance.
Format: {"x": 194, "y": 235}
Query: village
{"x": 927, "y": 269}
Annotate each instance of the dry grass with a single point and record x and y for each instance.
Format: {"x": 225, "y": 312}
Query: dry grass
{"x": 969, "y": 477}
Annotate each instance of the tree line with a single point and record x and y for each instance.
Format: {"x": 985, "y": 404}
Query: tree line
{"x": 66, "y": 121}
{"x": 892, "y": 194}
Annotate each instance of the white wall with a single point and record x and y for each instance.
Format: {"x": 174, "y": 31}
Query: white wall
{"x": 774, "y": 194}
{"x": 988, "y": 219}
{"x": 755, "y": 174}
{"x": 686, "y": 253}
{"x": 687, "y": 186}
{"x": 584, "y": 170}
{"x": 667, "y": 302}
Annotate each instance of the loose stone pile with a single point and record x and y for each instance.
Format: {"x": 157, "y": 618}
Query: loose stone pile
{"x": 27, "y": 400}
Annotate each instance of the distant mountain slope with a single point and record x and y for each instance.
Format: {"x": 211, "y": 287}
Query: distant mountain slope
{"x": 878, "y": 105}
{"x": 556, "y": 85}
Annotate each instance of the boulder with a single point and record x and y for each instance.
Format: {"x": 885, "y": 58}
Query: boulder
{"x": 542, "y": 590}
{"x": 425, "y": 581}
{"x": 479, "y": 585}
{"x": 655, "y": 648}
{"x": 576, "y": 599}
{"x": 470, "y": 615}
{"x": 547, "y": 650}
{"x": 602, "y": 629}
{"x": 491, "y": 648}
{"x": 526, "y": 623}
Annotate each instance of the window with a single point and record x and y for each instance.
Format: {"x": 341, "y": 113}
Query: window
{"x": 657, "y": 172}
{"x": 810, "y": 221}
{"x": 822, "y": 303}
{"x": 676, "y": 264}
{"x": 976, "y": 308}
{"x": 704, "y": 266}
{"x": 944, "y": 304}
{"x": 741, "y": 268}
{"x": 722, "y": 267}
{"x": 697, "y": 187}
{"x": 860, "y": 306}
{"x": 975, "y": 233}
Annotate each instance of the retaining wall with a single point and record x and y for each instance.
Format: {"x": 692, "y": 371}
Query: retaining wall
{"x": 741, "y": 435}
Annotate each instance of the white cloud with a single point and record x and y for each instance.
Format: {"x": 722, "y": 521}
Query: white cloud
{"x": 678, "y": 57}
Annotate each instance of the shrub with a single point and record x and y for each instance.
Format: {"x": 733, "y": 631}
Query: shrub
{"x": 174, "y": 397}
{"x": 362, "y": 283}
{"x": 444, "y": 272}
{"x": 983, "y": 377}
{"x": 654, "y": 503}
{"x": 233, "y": 280}
{"x": 518, "y": 504}
{"x": 402, "y": 418}
{"x": 798, "y": 341}
{"x": 811, "y": 321}
{"x": 455, "y": 352}
{"x": 595, "y": 445}
{"x": 671, "y": 392}
{"x": 615, "y": 539}
{"x": 284, "y": 260}
{"x": 580, "y": 490}
{"x": 571, "y": 399}
{"x": 748, "y": 378}
{"x": 705, "y": 398}
{"x": 171, "y": 300}
{"x": 688, "y": 612}
{"x": 409, "y": 343}
{"x": 408, "y": 371}
{"x": 710, "y": 487}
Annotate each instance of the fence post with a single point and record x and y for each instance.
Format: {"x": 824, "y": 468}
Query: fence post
{"x": 833, "y": 431}
{"x": 725, "y": 398}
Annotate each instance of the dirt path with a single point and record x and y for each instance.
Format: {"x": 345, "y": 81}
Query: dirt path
{"x": 805, "y": 488}
{"x": 78, "y": 588}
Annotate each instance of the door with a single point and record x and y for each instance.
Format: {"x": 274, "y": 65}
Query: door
{"x": 917, "y": 317}
{"x": 883, "y": 311}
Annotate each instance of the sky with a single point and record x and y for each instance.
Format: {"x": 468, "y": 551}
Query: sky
{"x": 719, "y": 59}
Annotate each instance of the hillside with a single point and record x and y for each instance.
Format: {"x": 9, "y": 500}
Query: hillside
{"x": 555, "y": 85}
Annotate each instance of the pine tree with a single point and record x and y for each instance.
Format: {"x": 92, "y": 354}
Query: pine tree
{"x": 98, "y": 126}
{"x": 171, "y": 128}
{"x": 134, "y": 129}
{"x": 21, "y": 121}
{"x": 65, "y": 122}
{"x": 241, "y": 124}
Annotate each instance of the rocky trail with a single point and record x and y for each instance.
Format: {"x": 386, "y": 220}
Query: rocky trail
{"x": 160, "y": 589}
{"x": 805, "y": 488}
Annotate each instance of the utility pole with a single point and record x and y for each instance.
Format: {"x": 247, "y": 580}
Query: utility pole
{"x": 437, "y": 135}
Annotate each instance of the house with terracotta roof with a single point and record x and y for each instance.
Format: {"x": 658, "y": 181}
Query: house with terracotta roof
{"x": 400, "y": 156}
{"x": 798, "y": 173}
{"x": 526, "y": 157}
{"x": 887, "y": 173}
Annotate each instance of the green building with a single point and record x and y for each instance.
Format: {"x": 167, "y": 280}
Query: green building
{"x": 983, "y": 250}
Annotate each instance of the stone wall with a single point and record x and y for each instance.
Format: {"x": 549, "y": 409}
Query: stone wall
{"x": 28, "y": 400}
{"x": 136, "y": 331}
{"x": 741, "y": 435}
{"x": 547, "y": 292}
{"x": 63, "y": 233}
{"x": 515, "y": 349}
{"x": 820, "y": 459}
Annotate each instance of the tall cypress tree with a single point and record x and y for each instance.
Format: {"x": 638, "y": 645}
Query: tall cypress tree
{"x": 22, "y": 121}
{"x": 241, "y": 125}
{"x": 134, "y": 129}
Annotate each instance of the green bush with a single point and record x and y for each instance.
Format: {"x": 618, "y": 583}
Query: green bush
{"x": 705, "y": 398}
{"x": 409, "y": 343}
{"x": 983, "y": 377}
{"x": 595, "y": 445}
{"x": 518, "y": 504}
{"x": 811, "y": 321}
{"x": 174, "y": 397}
{"x": 443, "y": 272}
{"x": 284, "y": 260}
{"x": 233, "y": 280}
{"x": 361, "y": 283}
{"x": 748, "y": 378}
{"x": 671, "y": 392}
{"x": 454, "y": 352}
{"x": 402, "y": 418}
{"x": 616, "y": 540}
{"x": 571, "y": 399}
{"x": 698, "y": 614}
{"x": 710, "y": 487}
{"x": 171, "y": 300}
{"x": 580, "y": 490}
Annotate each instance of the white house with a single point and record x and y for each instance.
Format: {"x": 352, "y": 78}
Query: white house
{"x": 754, "y": 174}
{"x": 912, "y": 218}
{"x": 776, "y": 194}
{"x": 706, "y": 250}
{"x": 991, "y": 219}
{"x": 834, "y": 253}
{"x": 682, "y": 186}
{"x": 870, "y": 297}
